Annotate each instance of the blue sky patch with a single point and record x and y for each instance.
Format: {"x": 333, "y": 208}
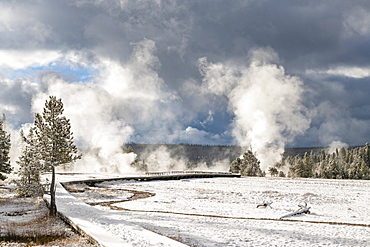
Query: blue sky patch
{"x": 68, "y": 73}
{"x": 82, "y": 74}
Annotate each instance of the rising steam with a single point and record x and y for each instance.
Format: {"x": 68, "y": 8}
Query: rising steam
{"x": 266, "y": 102}
{"x": 102, "y": 113}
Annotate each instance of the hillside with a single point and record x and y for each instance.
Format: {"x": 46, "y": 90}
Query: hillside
{"x": 191, "y": 153}
{"x": 205, "y": 153}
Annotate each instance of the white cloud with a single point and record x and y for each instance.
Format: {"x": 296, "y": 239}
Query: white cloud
{"x": 22, "y": 59}
{"x": 6, "y": 17}
{"x": 208, "y": 120}
{"x": 195, "y": 136}
{"x": 357, "y": 21}
{"x": 20, "y": 26}
{"x": 218, "y": 78}
{"x": 350, "y": 71}
{"x": 356, "y": 72}
{"x": 15, "y": 99}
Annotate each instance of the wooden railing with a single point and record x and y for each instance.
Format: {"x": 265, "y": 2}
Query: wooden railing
{"x": 161, "y": 173}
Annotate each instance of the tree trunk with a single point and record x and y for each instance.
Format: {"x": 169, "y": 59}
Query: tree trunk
{"x": 53, "y": 206}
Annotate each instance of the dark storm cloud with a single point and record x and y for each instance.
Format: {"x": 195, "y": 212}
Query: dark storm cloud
{"x": 311, "y": 29}
{"x": 325, "y": 43}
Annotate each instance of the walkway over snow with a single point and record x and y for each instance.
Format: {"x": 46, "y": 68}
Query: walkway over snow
{"x": 172, "y": 175}
{"x": 104, "y": 227}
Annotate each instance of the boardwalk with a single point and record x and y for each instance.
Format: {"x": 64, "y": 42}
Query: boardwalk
{"x": 172, "y": 175}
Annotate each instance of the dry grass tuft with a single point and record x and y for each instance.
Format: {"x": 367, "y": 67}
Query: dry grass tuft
{"x": 41, "y": 230}
{"x": 26, "y": 222}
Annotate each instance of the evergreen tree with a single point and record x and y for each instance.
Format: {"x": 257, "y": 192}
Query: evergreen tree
{"x": 273, "y": 171}
{"x": 249, "y": 165}
{"x": 55, "y": 139}
{"x": 30, "y": 167}
{"x": 366, "y": 154}
{"x": 4, "y": 150}
{"x": 140, "y": 165}
{"x": 365, "y": 171}
{"x": 300, "y": 167}
{"x": 355, "y": 170}
{"x": 281, "y": 174}
{"x": 235, "y": 166}
{"x": 190, "y": 165}
{"x": 308, "y": 163}
{"x": 129, "y": 150}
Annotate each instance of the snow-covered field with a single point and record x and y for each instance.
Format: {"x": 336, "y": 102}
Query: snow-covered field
{"x": 223, "y": 211}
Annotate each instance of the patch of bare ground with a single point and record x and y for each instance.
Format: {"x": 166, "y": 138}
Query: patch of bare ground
{"x": 26, "y": 222}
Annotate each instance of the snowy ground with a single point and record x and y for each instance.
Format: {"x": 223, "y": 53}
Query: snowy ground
{"x": 223, "y": 211}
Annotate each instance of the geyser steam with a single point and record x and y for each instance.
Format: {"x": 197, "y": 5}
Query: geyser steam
{"x": 266, "y": 102}
{"x": 103, "y": 112}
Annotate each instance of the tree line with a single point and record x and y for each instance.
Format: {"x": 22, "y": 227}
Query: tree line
{"x": 49, "y": 143}
{"x": 4, "y": 150}
{"x": 344, "y": 163}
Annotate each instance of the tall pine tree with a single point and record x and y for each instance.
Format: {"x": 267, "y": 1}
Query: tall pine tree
{"x": 53, "y": 131}
{"x": 4, "y": 150}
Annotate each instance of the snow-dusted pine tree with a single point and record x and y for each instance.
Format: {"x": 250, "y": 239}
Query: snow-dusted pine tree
{"x": 249, "y": 165}
{"x": 30, "y": 167}
{"x": 4, "y": 150}
{"x": 53, "y": 131}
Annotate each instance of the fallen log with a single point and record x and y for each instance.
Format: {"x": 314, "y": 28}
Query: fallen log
{"x": 264, "y": 205}
{"x": 303, "y": 210}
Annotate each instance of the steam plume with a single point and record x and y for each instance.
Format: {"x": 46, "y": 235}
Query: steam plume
{"x": 103, "y": 112}
{"x": 266, "y": 102}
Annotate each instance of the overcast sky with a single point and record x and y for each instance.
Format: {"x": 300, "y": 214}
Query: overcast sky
{"x": 260, "y": 73}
